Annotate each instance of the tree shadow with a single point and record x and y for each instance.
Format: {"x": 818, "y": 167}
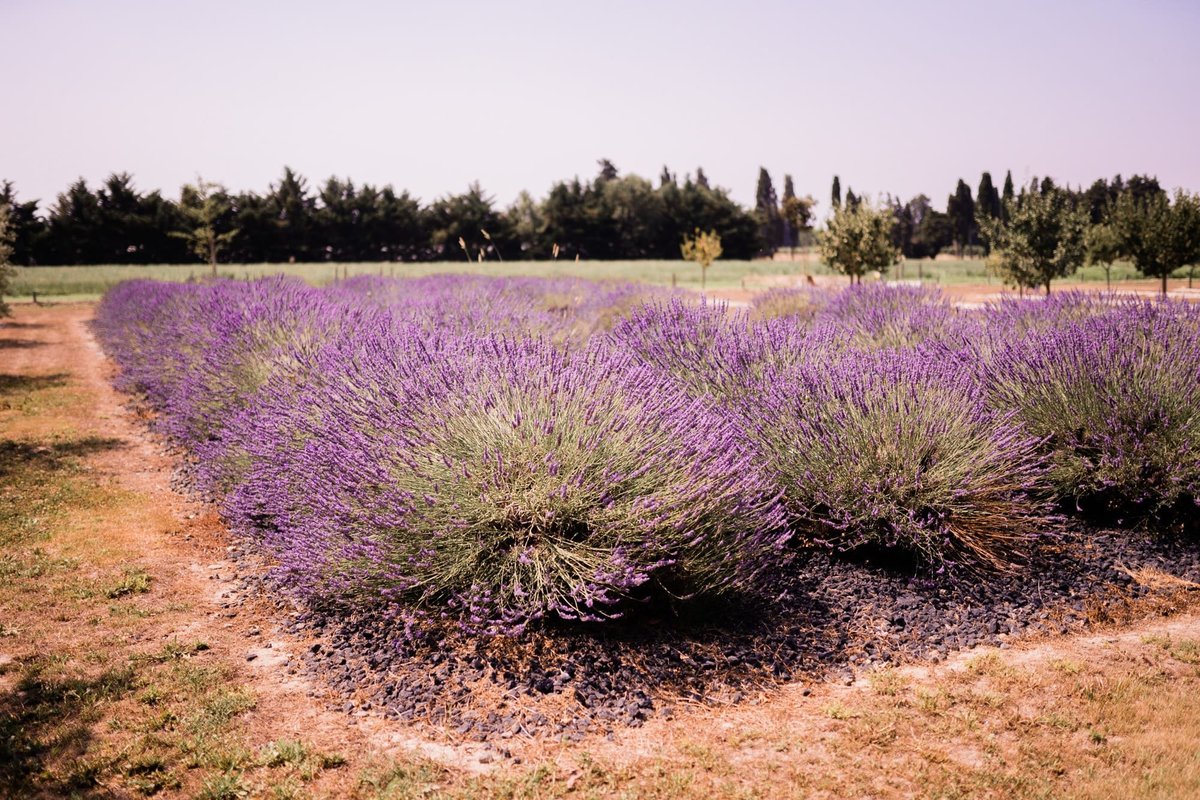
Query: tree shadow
{"x": 20, "y": 344}
{"x": 28, "y": 456}
{"x": 24, "y": 326}
{"x": 11, "y": 384}
{"x": 46, "y": 721}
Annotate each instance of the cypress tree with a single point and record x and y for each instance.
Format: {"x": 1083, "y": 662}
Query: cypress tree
{"x": 987, "y": 199}
{"x": 836, "y": 194}
{"x": 789, "y": 196}
{"x": 961, "y": 210}
{"x": 766, "y": 208}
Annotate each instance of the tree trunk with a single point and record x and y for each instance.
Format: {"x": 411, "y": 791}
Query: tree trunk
{"x": 1108, "y": 278}
{"x": 1164, "y": 284}
{"x": 1047, "y": 288}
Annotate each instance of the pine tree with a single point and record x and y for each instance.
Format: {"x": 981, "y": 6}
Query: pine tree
{"x": 608, "y": 170}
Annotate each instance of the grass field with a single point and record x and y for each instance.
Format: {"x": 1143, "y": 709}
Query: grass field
{"x": 90, "y": 282}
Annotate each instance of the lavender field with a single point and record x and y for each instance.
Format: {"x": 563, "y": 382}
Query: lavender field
{"x": 553, "y": 509}
{"x": 491, "y": 453}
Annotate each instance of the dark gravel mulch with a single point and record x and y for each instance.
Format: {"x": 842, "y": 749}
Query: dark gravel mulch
{"x": 833, "y": 618}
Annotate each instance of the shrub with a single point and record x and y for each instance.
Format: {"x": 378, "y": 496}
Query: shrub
{"x": 866, "y": 316}
{"x": 896, "y": 451}
{"x": 1001, "y": 323}
{"x": 1116, "y": 396}
{"x": 878, "y": 316}
{"x": 714, "y": 351}
{"x": 201, "y": 353}
{"x": 503, "y": 480}
{"x": 132, "y": 325}
{"x": 564, "y": 310}
{"x": 803, "y": 304}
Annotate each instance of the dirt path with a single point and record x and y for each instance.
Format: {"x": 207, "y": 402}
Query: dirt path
{"x": 975, "y": 725}
{"x": 183, "y": 547}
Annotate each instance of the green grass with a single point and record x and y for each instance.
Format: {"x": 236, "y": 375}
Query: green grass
{"x": 86, "y": 283}
{"x": 89, "y": 283}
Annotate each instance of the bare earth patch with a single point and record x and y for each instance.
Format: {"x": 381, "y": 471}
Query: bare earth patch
{"x": 126, "y": 670}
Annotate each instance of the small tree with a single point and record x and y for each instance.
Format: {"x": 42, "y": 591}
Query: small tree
{"x": 7, "y": 271}
{"x": 204, "y": 205}
{"x": 1040, "y": 238}
{"x": 702, "y": 248}
{"x": 1159, "y": 236}
{"x": 1103, "y": 245}
{"x": 857, "y": 239}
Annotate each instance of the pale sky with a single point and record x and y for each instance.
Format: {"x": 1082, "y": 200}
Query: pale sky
{"x": 903, "y": 97}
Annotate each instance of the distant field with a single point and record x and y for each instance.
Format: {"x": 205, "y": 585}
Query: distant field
{"x": 89, "y": 283}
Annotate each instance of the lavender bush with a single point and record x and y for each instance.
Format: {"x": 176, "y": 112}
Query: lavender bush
{"x": 882, "y": 316}
{"x": 892, "y": 448}
{"x": 896, "y": 451}
{"x": 803, "y": 303}
{"x": 133, "y": 324}
{"x": 865, "y": 316}
{"x": 503, "y": 480}
{"x": 200, "y": 353}
{"x": 1116, "y": 396}
{"x": 563, "y": 310}
{"x": 714, "y": 351}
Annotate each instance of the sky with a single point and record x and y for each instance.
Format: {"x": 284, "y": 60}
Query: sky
{"x": 898, "y": 97}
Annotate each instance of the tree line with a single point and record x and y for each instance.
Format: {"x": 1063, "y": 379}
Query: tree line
{"x": 1032, "y": 237}
{"x": 611, "y": 216}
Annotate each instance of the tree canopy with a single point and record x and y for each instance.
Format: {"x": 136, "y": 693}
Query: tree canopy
{"x": 1158, "y": 235}
{"x": 1040, "y": 239}
{"x": 857, "y": 239}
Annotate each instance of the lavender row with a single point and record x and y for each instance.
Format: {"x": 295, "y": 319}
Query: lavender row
{"x": 491, "y": 452}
